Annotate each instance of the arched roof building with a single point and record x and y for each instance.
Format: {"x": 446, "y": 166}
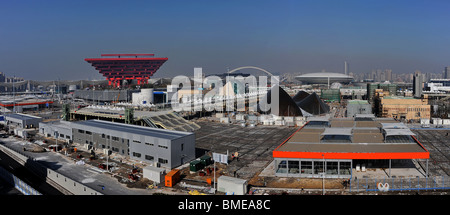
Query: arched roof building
{"x": 324, "y": 78}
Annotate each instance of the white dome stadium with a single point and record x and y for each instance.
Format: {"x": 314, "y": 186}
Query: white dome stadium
{"x": 324, "y": 78}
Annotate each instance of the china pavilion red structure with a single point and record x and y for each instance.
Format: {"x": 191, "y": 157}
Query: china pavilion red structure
{"x": 119, "y": 67}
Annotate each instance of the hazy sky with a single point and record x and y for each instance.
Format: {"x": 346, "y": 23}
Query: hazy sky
{"x": 47, "y": 40}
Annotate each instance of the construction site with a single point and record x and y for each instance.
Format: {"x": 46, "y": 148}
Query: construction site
{"x": 130, "y": 139}
{"x": 249, "y": 145}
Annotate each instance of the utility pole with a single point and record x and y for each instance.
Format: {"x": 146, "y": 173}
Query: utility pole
{"x": 345, "y": 67}
{"x": 328, "y": 82}
{"x": 323, "y": 176}
{"x": 59, "y": 91}
{"x": 56, "y": 138}
{"x": 14, "y": 95}
{"x": 107, "y": 153}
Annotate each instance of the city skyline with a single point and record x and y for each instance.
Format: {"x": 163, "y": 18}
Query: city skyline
{"x": 48, "y": 40}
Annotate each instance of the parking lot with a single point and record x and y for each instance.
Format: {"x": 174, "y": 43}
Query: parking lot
{"x": 253, "y": 144}
{"x": 437, "y": 142}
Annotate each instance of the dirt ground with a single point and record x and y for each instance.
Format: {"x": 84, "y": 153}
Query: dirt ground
{"x": 298, "y": 183}
{"x": 195, "y": 176}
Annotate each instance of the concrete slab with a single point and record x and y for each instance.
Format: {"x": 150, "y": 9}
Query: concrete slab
{"x": 384, "y": 173}
{"x": 269, "y": 171}
{"x": 254, "y": 144}
{"x": 79, "y": 173}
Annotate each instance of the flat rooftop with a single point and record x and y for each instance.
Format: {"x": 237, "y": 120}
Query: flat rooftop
{"x": 21, "y": 116}
{"x": 116, "y": 112}
{"x": 134, "y": 129}
{"x": 358, "y": 102}
{"x": 350, "y": 148}
{"x": 23, "y": 102}
{"x": 345, "y": 138}
{"x": 352, "y": 123}
{"x": 398, "y": 97}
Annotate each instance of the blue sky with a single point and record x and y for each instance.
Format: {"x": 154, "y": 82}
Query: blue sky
{"x": 47, "y": 40}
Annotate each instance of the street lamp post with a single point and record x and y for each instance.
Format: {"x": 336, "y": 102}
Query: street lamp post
{"x": 14, "y": 96}
{"x": 323, "y": 175}
{"x": 214, "y": 176}
{"x": 107, "y": 153}
{"x": 56, "y": 137}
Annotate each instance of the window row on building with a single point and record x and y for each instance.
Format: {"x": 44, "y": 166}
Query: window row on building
{"x": 314, "y": 168}
{"x": 166, "y": 147}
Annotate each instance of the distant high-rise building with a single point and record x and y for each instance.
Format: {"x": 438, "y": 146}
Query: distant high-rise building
{"x": 373, "y": 75}
{"x": 409, "y": 78}
{"x": 13, "y": 79}
{"x": 345, "y": 67}
{"x": 447, "y": 72}
{"x": 383, "y": 76}
{"x": 418, "y": 84}
{"x": 388, "y": 74}
{"x": 427, "y": 77}
{"x": 378, "y": 75}
{"x": 2, "y": 77}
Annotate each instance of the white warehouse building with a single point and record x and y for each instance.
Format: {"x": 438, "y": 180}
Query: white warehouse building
{"x": 23, "y": 120}
{"x": 163, "y": 147}
{"x": 60, "y": 129}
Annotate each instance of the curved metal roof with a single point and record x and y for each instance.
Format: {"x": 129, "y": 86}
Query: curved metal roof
{"x": 324, "y": 78}
{"x": 324, "y": 74}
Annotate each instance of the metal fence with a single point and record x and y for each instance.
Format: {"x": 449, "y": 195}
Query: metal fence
{"x": 400, "y": 184}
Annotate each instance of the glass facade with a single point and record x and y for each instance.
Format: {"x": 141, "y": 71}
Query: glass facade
{"x": 332, "y": 168}
{"x": 313, "y": 168}
{"x": 318, "y": 167}
{"x": 281, "y": 167}
{"x": 345, "y": 168}
{"x": 293, "y": 167}
{"x": 306, "y": 167}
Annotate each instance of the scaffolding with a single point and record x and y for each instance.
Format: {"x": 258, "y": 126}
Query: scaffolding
{"x": 330, "y": 95}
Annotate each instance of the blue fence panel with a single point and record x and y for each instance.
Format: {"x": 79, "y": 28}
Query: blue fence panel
{"x": 400, "y": 184}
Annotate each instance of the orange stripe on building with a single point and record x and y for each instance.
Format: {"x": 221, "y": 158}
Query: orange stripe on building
{"x": 352, "y": 155}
